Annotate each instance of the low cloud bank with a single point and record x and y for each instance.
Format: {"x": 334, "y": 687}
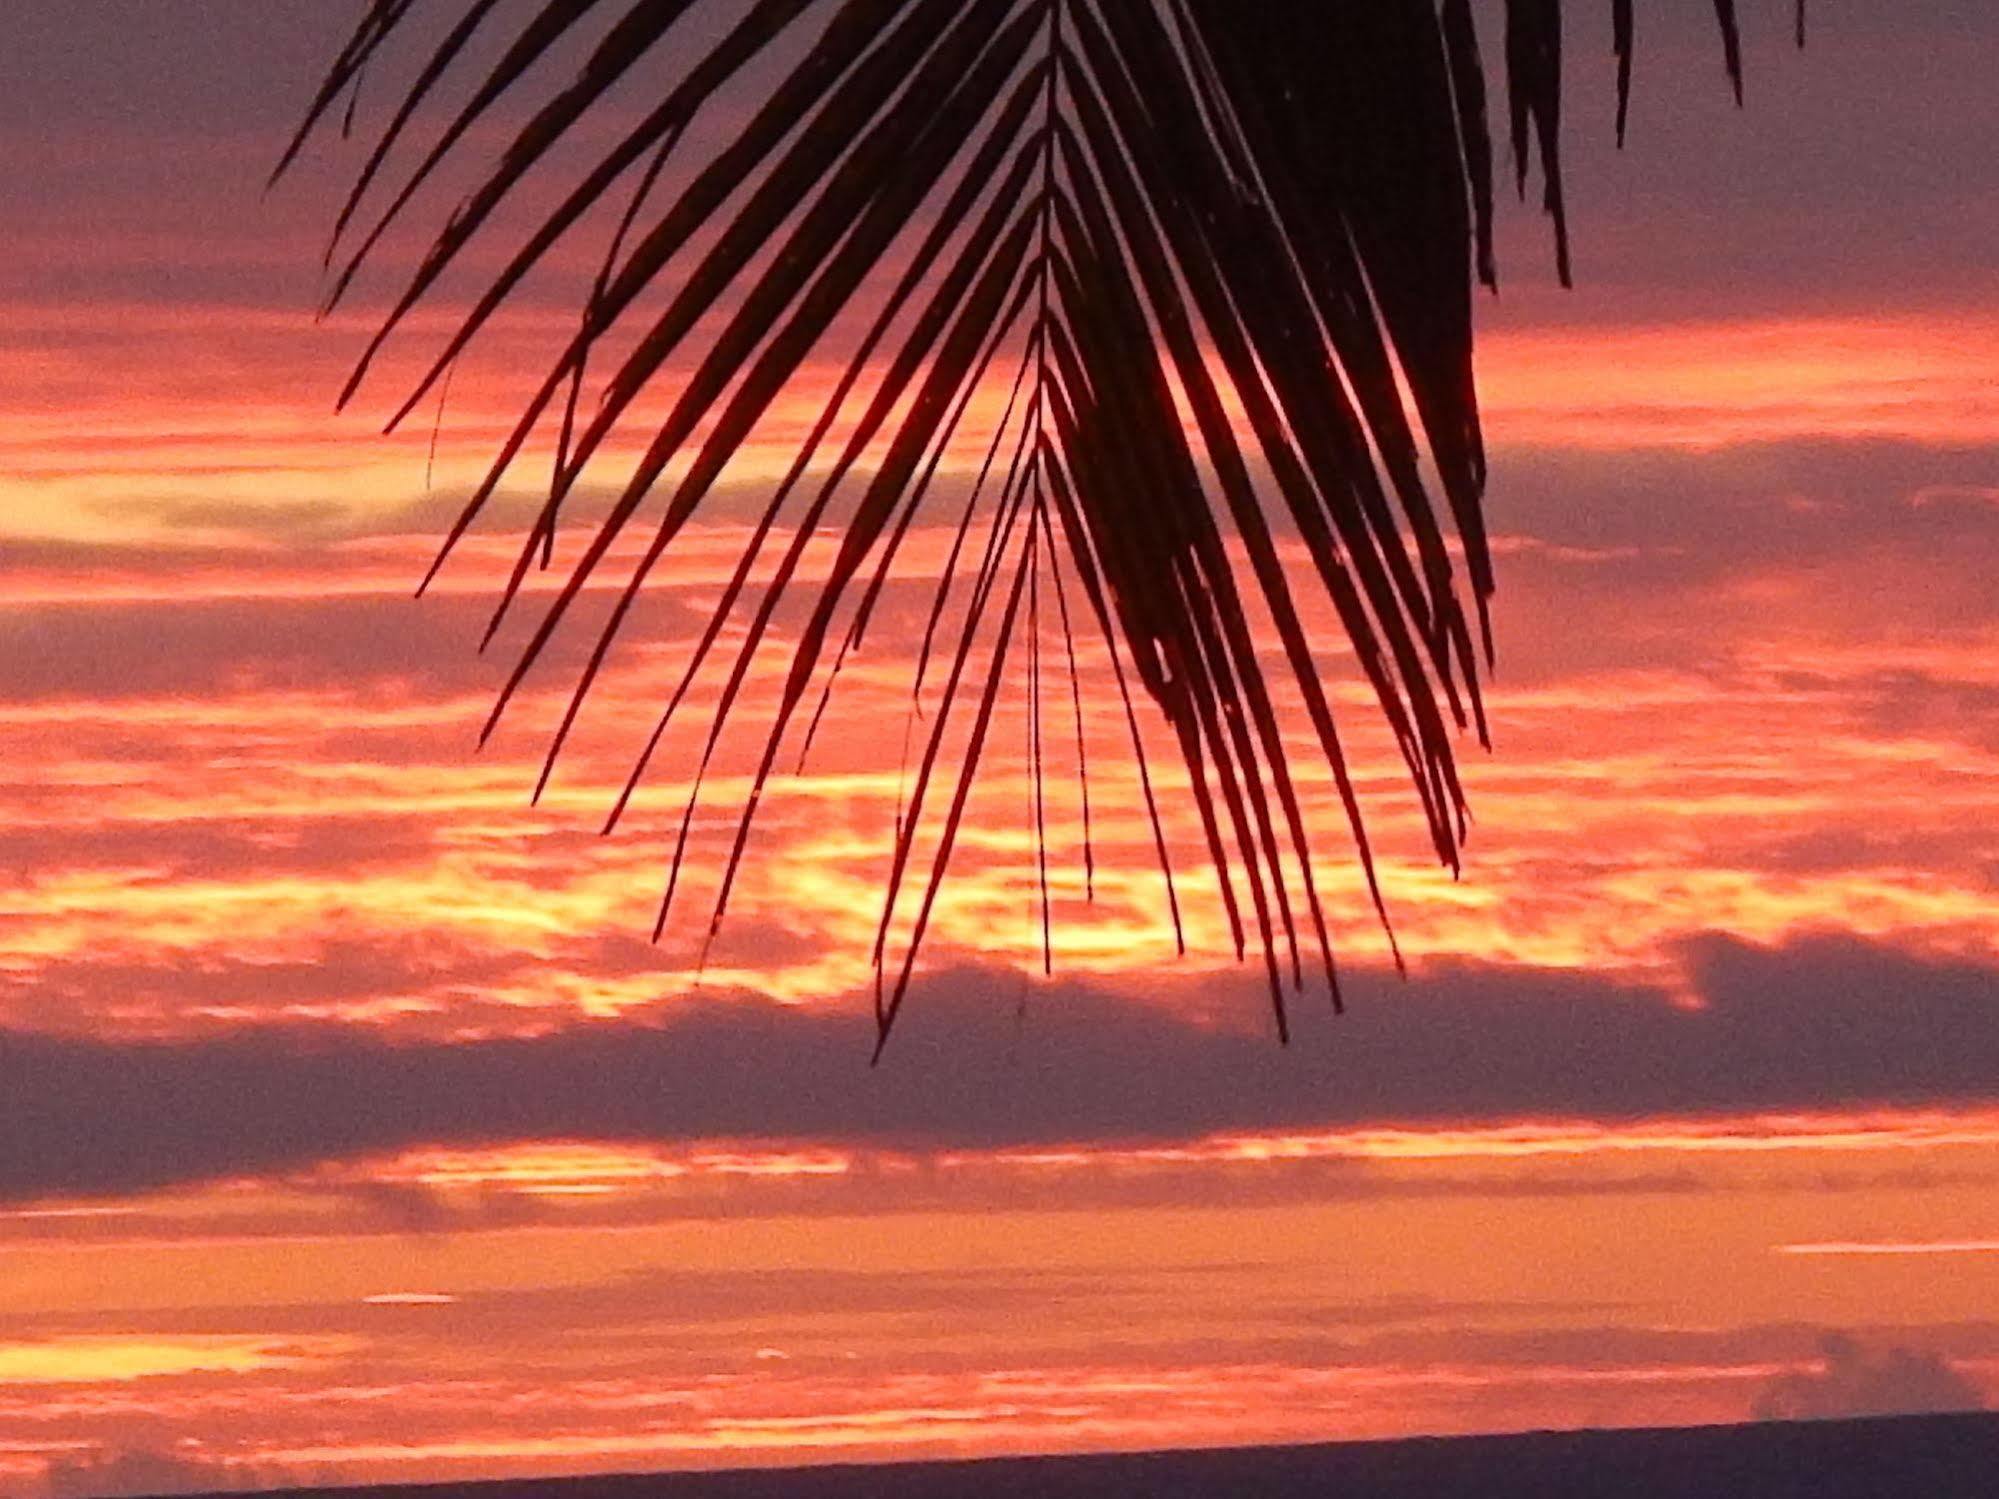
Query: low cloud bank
{"x": 1855, "y": 1380}
{"x": 1824, "y": 1023}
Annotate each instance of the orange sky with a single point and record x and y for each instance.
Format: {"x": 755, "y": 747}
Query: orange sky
{"x": 350, "y": 1128}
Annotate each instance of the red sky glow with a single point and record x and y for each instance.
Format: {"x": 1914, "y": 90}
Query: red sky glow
{"x": 353, "y": 1129}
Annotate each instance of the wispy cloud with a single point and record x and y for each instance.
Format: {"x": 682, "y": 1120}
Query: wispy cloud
{"x": 1893, "y": 1247}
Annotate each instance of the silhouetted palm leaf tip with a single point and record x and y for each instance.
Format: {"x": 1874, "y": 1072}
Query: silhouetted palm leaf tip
{"x": 1201, "y": 242}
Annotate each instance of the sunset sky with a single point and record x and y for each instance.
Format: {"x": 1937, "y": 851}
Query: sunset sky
{"x": 352, "y": 1128}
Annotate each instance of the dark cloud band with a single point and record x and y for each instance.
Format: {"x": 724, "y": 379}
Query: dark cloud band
{"x": 1826, "y": 1023}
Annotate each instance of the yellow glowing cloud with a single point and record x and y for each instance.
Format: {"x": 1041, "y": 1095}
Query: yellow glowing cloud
{"x": 100, "y": 1359}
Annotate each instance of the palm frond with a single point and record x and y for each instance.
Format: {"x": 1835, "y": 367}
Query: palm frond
{"x": 1207, "y": 245}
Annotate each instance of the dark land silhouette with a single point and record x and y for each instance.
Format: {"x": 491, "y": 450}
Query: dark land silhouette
{"x": 1900, "y": 1457}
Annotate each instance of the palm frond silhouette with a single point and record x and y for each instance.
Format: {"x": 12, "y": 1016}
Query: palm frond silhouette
{"x": 1221, "y": 253}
